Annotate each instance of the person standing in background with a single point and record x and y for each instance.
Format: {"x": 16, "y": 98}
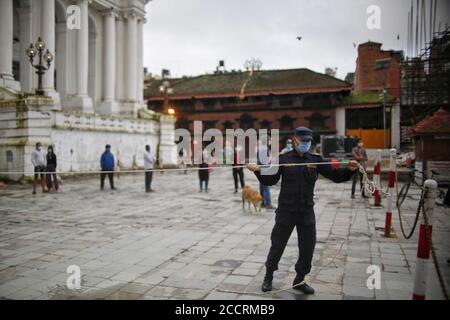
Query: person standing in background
{"x": 38, "y": 160}
{"x": 237, "y": 171}
{"x": 360, "y": 155}
{"x": 264, "y": 159}
{"x": 52, "y": 180}
{"x": 107, "y": 164}
{"x": 203, "y": 174}
{"x": 149, "y": 162}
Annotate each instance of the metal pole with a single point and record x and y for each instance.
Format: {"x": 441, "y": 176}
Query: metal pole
{"x": 40, "y": 73}
{"x": 390, "y": 197}
{"x": 384, "y": 117}
{"x": 423, "y": 249}
{"x": 166, "y": 101}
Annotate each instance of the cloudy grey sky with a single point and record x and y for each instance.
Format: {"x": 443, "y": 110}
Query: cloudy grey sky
{"x": 189, "y": 37}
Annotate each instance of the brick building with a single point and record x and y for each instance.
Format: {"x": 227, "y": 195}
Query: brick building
{"x": 361, "y": 112}
{"x": 377, "y": 69}
{"x": 267, "y": 99}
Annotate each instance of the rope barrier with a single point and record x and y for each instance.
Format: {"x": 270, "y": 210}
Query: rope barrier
{"x": 178, "y": 169}
{"x": 401, "y": 196}
{"x": 433, "y": 254}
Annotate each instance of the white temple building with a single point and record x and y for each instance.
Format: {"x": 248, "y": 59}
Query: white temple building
{"x": 93, "y": 89}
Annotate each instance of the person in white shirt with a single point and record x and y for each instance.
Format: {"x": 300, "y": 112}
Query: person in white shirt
{"x": 39, "y": 161}
{"x": 149, "y": 161}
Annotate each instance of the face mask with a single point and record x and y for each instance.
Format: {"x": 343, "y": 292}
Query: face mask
{"x": 289, "y": 146}
{"x": 304, "y": 147}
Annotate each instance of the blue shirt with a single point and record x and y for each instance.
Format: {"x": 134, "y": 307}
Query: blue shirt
{"x": 107, "y": 161}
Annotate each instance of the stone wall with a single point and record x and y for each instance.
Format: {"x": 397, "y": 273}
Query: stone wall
{"x": 78, "y": 139}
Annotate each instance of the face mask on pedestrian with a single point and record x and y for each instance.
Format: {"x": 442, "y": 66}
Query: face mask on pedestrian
{"x": 303, "y": 146}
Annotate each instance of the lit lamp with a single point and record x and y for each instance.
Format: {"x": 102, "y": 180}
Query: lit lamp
{"x": 38, "y": 49}
{"x": 171, "y": 111}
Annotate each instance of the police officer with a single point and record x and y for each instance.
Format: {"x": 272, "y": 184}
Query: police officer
{"x": 296, "y": 205}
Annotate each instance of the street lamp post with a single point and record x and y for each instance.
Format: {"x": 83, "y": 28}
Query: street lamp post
{"x": 38, "y": 48}
{"x": 166, "y": 90}
{"x": 384, "y": 117}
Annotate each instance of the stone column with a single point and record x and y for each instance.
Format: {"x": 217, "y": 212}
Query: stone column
{"x": 167, "y": 146}
{"x": 81, "y": 101}
{"x": 395, "y": 126}
{"x": 340, "y": 121}
{"x": 6, "y": 40}
{"x": 48, "y": 36}
{"x": 83, "y": 50}
{"x": 109, "y": 104}
{"x": 25, "y": 35}
{"x": 61, "y": 59}
{"x": 120, "y": 59}
{"x": 140, "y": 63}
{"x": 132, "y": 56}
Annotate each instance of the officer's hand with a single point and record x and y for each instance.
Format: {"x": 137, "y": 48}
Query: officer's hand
{"x": 353, "y": 165}
{"x": 253, "y": 167}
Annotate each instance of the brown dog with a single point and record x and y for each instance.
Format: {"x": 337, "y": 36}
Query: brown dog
{"x": 251, "y": 196}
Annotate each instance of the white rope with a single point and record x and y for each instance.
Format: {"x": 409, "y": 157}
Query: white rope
{"x": 368, "y": 185}
{"x": 172, "y": 169}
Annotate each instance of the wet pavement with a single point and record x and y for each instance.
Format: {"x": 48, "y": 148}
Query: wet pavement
{"x": 178, "y": 243}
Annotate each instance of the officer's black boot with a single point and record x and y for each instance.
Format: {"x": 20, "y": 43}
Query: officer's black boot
{"x": 267, "y": 283}
{"x": 302, "y": 286}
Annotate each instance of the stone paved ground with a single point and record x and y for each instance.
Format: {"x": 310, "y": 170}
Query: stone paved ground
{"x": 178, "y": 243}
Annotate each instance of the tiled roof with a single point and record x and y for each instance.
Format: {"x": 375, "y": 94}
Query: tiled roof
{"x": 262, "y": 82}
{"x": 438, "y": 123}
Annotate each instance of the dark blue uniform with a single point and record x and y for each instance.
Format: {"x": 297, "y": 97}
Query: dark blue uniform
{"x": 296, "y": 206}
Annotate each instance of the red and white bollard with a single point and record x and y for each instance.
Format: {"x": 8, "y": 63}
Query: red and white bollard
{"x": 390, "y": 197}
{"x": 377, "y": 179}
{"x": 423, "y": 249}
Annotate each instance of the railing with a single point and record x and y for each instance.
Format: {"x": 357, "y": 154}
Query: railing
{"x": 103, "y": 123}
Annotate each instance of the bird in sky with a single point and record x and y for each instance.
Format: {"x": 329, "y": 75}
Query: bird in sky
{"x": 299, "y": 38}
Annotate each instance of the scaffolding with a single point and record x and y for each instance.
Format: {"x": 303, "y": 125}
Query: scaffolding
{"x": 425, "y": 82}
